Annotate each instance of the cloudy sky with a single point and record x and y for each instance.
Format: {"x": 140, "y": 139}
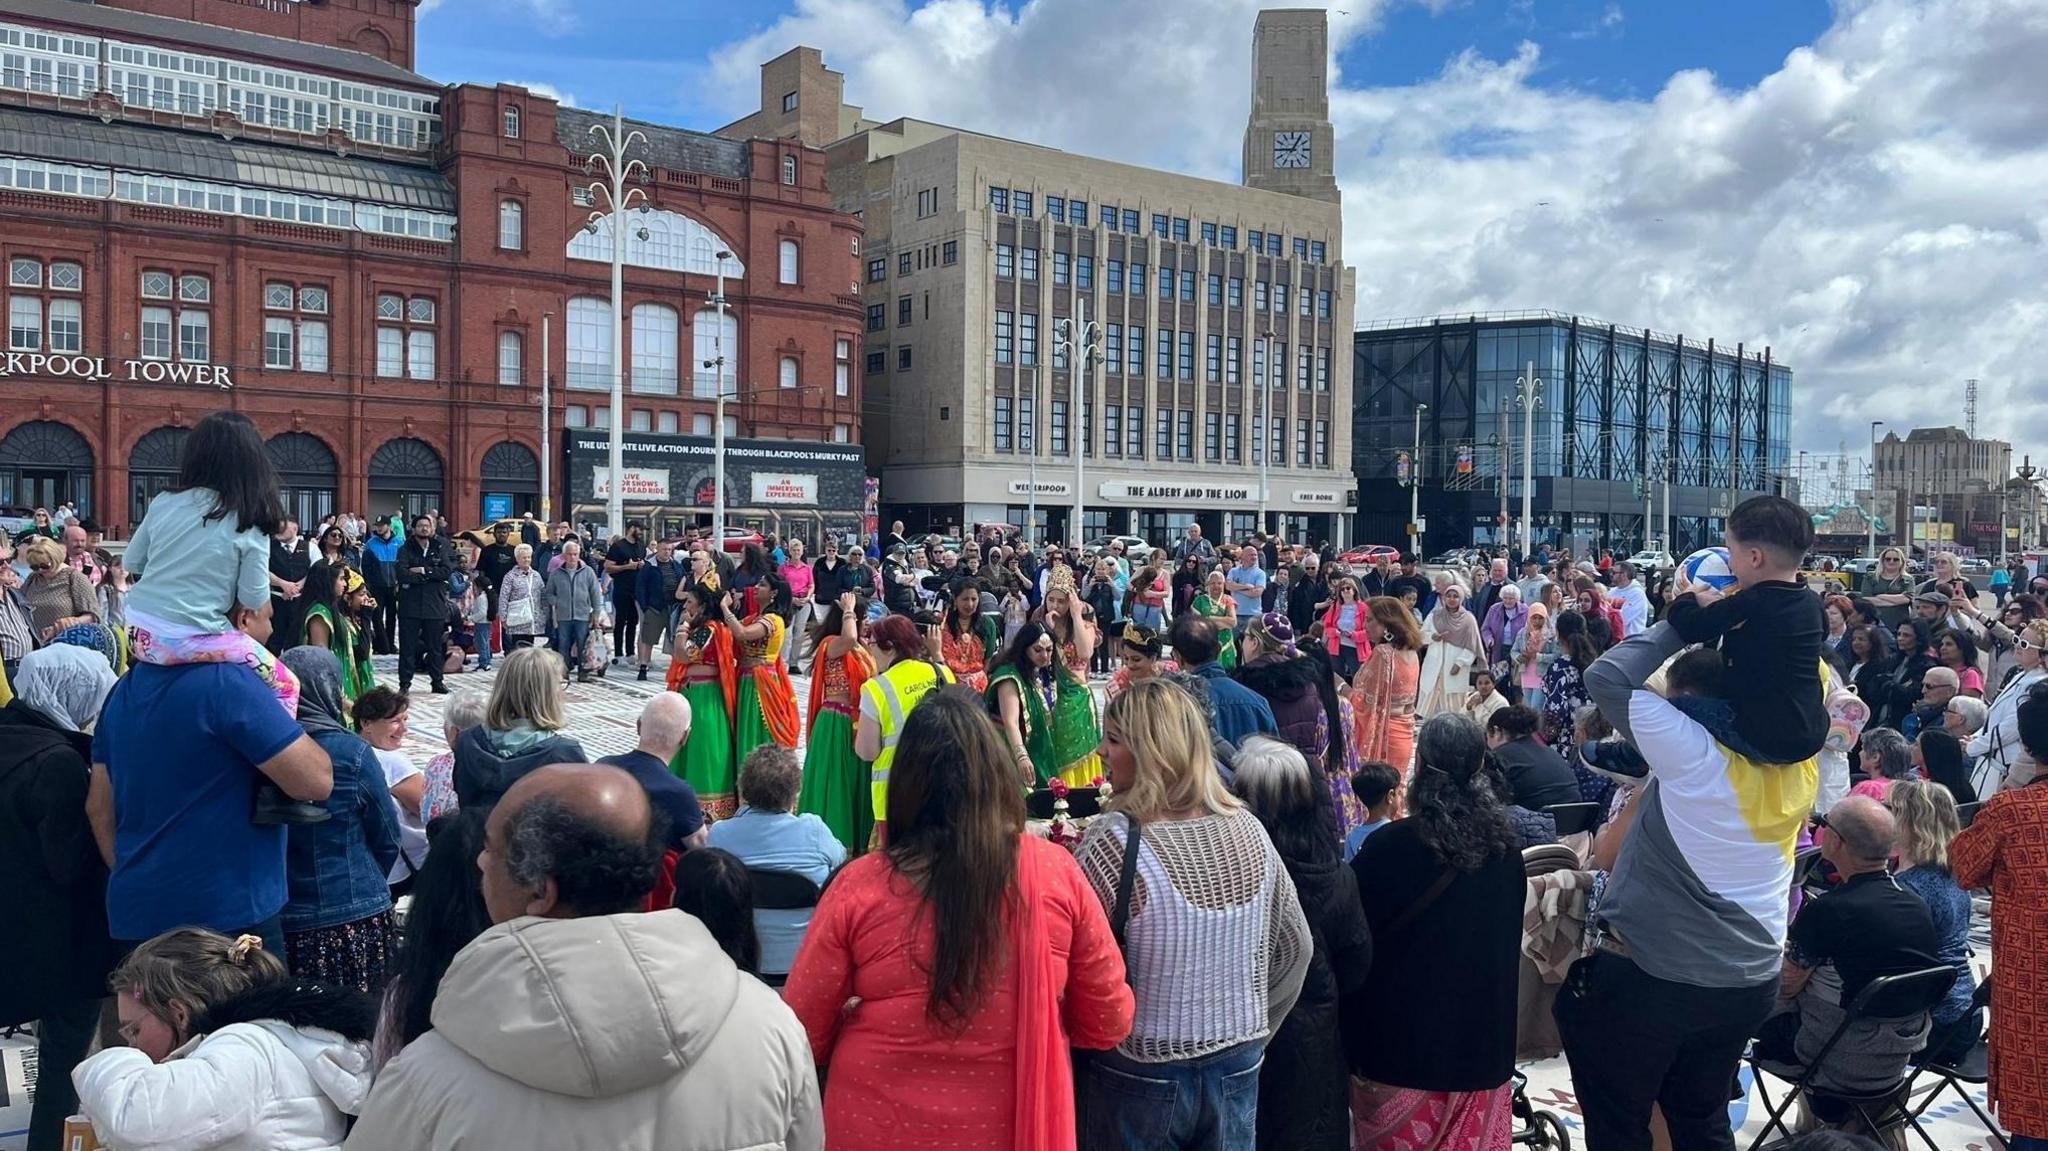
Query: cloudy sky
{"x": 1862, "y": 186}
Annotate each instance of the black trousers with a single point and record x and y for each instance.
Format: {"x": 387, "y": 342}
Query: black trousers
{"x": 384, "y": 622}
{"x": 421, "y": 641}
{"x": 625, "y": 626}
{"x": 1633, "y": 1039}
{"x": 62, "y": 1038}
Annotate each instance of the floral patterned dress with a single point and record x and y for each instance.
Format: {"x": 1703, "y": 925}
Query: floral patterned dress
{"x": 1564, "y": 693}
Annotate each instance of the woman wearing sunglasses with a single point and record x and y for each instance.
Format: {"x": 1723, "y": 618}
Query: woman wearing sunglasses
{"x": 1888, "y": 586}
{"x": 1999, "y": 742}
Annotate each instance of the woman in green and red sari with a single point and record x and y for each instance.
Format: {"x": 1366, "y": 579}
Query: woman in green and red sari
{"x": 1045, "y": 710}
{"x": 704, "y": 672}
{"x": 836, "y": 780}
{"x": 764, "y": 702}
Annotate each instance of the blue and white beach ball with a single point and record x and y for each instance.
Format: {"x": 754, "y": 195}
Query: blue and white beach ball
{"x": 1709, "y": 566}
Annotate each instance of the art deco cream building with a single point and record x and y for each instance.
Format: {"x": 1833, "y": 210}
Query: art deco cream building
{"x": 1223, "y": 313}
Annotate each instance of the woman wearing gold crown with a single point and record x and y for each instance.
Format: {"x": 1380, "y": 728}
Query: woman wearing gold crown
{"x": 1071, "y": 622}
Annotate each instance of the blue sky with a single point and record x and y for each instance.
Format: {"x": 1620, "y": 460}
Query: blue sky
{"x": 1856, "y": 184}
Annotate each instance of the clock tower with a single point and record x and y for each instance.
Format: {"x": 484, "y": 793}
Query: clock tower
{"x": 1288, "y": 140}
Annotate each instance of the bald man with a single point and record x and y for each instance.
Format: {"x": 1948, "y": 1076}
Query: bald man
{"x": 1863, "y": 929}
{"x": 664, "y": 728}
{"x": 592, "y": 1033}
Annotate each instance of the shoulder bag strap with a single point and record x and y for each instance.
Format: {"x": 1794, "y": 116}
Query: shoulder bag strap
{"x": 1422, "y": 903}
{"x": 1120, "y": 915}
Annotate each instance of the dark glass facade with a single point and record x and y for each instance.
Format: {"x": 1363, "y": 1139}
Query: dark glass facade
{"x": 1621, "y": 409}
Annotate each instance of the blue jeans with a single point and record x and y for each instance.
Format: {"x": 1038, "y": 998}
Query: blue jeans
{"x": 1147, "y": 617}
{"x": 569, "y": 638}
{"x": 483, "y": 646}
{"x": 1206, "y": 1104}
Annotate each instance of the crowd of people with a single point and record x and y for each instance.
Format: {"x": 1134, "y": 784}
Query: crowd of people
{"x": 1299, "y": 920}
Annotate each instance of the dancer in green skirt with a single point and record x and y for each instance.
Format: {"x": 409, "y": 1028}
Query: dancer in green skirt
{"x": 703, "y": 671}
{"x": 835, "y": 780}
{"x": 1046, "y": 712}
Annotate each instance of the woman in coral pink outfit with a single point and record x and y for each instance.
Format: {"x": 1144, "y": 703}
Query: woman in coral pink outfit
{"x": 944, "y": 978}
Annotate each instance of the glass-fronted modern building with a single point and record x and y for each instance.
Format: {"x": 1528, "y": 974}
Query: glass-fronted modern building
{"x": 1622, "y": 413}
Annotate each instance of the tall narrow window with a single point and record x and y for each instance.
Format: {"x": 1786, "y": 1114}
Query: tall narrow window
{"x": 512, "y": 121}
{"x": 590, "y": 344}
{"x": 511, "y": 359}
{"x": 656, "y": 331}
{"x": 788, "y": 375}
{"x": 511, "y": 226}
{"x": 789, "y": 170}
{"x": 787, "y": 267}
{"x": 842, "y": 367}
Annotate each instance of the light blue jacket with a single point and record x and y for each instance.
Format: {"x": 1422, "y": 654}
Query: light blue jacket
{"x": 192, "y": 570}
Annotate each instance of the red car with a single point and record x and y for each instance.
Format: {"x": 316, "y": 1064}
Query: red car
{"x": 1368, "y": 555}
{"x": 736, "y": 539}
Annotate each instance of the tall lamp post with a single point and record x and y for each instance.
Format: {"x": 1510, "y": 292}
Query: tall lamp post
{"x": 1874, "y": 425}
{"x": 613, "y": 144}
{"x": 1528, "y": 397}
{"x": 547, "y": 503}
{"x": 1080, "y": 340}
{"x": 2030, "y": 510}
{"x": 1415, "y": 488}
{"x": 717, "y": 365}
{"x": 1265, "y": 436}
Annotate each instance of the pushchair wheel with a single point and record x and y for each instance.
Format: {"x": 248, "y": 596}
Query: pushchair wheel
{"x": 1547, "y": 1132}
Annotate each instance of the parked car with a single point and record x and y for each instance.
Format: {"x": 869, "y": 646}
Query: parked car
{"x": 14, "y": 520}
{"x": 1133, "y": 545}
{"x": 736, "y": 539}
{"x": 1456, "y": 557}
{"x": 1974, "y": 566}
{"x": 1652, "y": 561}
{"x": 1366, "y": 555}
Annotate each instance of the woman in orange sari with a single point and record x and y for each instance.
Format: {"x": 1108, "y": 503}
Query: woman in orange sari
{"x": 764, "y": 707}
{"x": 703, "y": 672}
{"x": 958, "y": 643}
{"x": 1383, "y": 692}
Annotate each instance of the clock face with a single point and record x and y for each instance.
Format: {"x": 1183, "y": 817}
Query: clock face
{"x": 1290, "y": 149}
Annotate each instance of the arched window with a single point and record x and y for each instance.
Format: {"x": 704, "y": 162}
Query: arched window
{"x": 673, "y": 242}
{"x": 512, "y": 122}
{"x": 789, "y": 170}
{"x": 511, "y": 226}
{"x": 788, "y": 268}
{"x": 590, "y": 343}
{"x": 511, "y": 359}
{"x": 655, "y": 328}
{"x": 789, "y": 372}
{"x": 711, "y": 341}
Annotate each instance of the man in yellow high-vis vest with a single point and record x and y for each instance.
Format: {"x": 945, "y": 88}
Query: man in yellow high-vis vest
{"x": 906, "y": 676}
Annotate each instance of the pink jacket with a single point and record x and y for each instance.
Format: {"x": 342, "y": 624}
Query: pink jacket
{"x": 1360, "y": 618}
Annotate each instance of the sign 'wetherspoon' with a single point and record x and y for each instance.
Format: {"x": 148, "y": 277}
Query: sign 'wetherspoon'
{"x": 96, "y": 370}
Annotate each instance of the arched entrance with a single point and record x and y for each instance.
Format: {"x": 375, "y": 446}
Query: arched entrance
{"x": 406, "y": 476}
{"x": 44, "y": 463}
{"x": 306, "y": 476}
{"x": 511, "y": 481}
{"x": 152, "y": 468}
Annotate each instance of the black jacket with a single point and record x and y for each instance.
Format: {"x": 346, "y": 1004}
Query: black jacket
{"x": 1289, "y": 686}
{"x": 1302, "y": 597}
{"x": 1537, "y": 776}
{"x": 423, "y": 594}
{"x": 1304, "y": 1085}
{"x": 55, "y": 898}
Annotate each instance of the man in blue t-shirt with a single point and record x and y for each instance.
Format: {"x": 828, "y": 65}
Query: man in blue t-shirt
{"x": 177, "y": 757}
{"x": 1246, "y": 583}
{"x": 664, "y": 728}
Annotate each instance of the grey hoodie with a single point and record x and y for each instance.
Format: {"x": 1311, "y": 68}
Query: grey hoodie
{"x": 616, "y": 1032}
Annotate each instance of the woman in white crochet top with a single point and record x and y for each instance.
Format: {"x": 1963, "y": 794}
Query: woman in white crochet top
{"x": 1215, "y": 940}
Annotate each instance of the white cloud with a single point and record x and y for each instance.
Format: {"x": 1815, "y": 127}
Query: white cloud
{"x": 1875, "y": 209}
{"x": 549, "y": 91}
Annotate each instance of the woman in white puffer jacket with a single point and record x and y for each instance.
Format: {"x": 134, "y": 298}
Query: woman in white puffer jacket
{"x": 226, "y": 1051}
{"x": 1997, "y": 746}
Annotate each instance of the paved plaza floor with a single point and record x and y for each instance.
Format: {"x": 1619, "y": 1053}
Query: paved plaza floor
{"x": 601, "y": 717}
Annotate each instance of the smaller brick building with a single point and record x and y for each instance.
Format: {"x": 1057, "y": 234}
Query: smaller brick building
{"x": 254, "y": 204}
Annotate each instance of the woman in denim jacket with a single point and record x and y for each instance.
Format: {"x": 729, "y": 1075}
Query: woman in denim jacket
{"x": 337, "y": 917}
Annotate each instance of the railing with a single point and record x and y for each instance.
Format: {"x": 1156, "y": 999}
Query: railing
{"x": 1544, "y": 315}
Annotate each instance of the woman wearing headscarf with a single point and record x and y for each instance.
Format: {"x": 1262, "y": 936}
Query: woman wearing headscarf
{"x": 1454, "y": 650}
{"x": 1302, "y": 691}
{"x": 337, "y": 913}
{"x": 54, "y": 900}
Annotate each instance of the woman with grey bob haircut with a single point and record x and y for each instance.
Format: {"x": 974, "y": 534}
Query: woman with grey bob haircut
{"x": 1886, "y": 754}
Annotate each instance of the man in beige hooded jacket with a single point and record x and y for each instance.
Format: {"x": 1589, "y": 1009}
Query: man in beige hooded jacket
{"x": 579, "y": 1022}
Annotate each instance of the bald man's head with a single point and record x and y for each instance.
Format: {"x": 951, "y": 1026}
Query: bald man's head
{"x": 571, "y": 840}
{"x": 664, "y": 725}
{"x": 1860, "y": 835}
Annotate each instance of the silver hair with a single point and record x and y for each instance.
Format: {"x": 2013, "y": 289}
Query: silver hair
{"x": 1272, "y": 775}
{"x": 464, "y": 710}
{"x": 1894, "y": 754}
{"x": 568, "y": 544}
{"x": 523, "y": 551}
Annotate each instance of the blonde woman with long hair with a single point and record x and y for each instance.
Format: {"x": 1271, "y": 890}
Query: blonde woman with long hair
{"x": 1205, "y": 902}
{"x": 1925, "y": 814}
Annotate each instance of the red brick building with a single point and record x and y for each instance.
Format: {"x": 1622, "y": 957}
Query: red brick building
{"x": 260, "y": 194}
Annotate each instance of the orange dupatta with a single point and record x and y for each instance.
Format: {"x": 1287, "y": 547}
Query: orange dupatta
{"x": 772, "y": 686}
{"x": 717, "y": 652}
{"x": 859, "y": 666}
